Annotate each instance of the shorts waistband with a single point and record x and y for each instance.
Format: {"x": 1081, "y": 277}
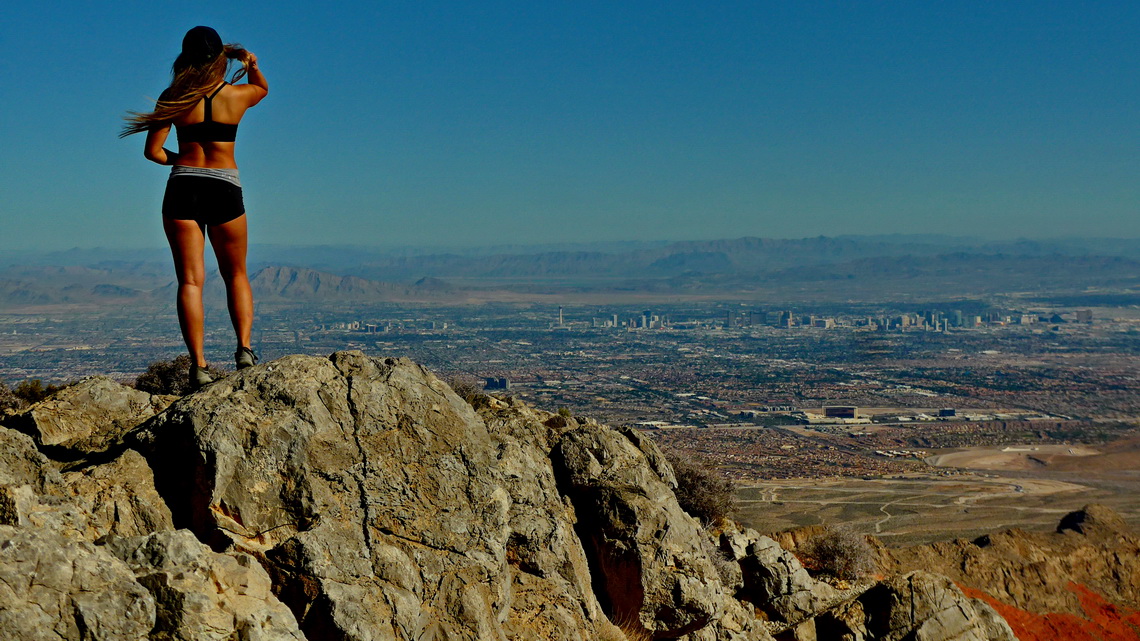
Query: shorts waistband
{"x": 228, "y": 175}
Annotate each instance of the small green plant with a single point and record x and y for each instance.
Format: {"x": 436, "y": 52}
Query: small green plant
{"x": 565, "y": 412}
{"x": 171, "y": 377}
{"x": 839, "y": 552}
{"x": 702, "y": 491}
{"x": 33, "y": 390}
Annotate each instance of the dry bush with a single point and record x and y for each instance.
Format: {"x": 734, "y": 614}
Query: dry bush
{"x": 727, "y": 568}
{"x": 839, "y": 552}
{"x": 701, "y": 490}
{"x": 9, "y": 402}
{"x": 622, "y": 631}
{"x": 468, "y": 388}
{"x": 171, "y": 377}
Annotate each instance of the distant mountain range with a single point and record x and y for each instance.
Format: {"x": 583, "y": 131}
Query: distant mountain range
{"x": 810, "y": 267}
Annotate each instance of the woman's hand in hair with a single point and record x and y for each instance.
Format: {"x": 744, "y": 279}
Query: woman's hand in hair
{"x": 255, "y": 77}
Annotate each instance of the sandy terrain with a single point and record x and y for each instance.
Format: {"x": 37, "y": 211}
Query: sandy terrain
{"x": 1028, "y": 457}
{"x": 1028, "y": 487}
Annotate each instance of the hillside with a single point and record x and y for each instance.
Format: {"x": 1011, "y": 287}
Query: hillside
{"x": 357, "y": 498}
{"x": 822, "y": 268}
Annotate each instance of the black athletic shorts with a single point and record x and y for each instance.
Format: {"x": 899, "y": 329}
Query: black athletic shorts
{"x": 208, "y": 201}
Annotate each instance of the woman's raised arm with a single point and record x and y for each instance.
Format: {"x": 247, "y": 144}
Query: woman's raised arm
{"x": 258, "y": 86}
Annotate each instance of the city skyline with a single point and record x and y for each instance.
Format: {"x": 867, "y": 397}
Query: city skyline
{"x": 445, "y": 124}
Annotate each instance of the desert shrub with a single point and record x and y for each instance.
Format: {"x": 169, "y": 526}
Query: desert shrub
{"x": 8, "y": 401}
{"x": 171, "y": 377}
{"x": 839, "y": 552}
{"x": 701, "y": 490}
{"x": 565, "y": 412}
{"x": 34, "y": 390}
{"x": 727, "y": 568}
{"x": 466, "y": 387}
{"x": 622, "y": 631}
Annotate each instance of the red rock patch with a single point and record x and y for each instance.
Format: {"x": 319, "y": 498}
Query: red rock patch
{"x": 1103, "y": 621}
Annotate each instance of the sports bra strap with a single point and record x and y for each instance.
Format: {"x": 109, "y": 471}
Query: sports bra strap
{"x": 209, "y": 116}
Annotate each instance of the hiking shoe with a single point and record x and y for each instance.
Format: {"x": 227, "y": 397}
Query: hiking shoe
{"x": 199, "y": 378}
{"x": 244, "y": 357}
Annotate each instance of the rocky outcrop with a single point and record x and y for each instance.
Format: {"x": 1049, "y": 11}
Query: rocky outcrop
{"x": 201, "y": 595}
{"x": 773, "y": 579}
{"x": 649, "y": 558}
{"x": 1092, "y": 547}
{"x": 54, "y": 587}
{"x": 1094, "y": 521}
{"x": 377, "y": 498}
{"x": 353, "y": 498}
{"x": 118, "y": 497}
{"x": 88, "y": 417}
{"x": 918, "y": 606}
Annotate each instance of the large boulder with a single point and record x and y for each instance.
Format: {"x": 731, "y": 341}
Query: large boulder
{"x": 116, "y": 496}
{"x": 119, "y": 497}
{"x": 1094, "y": 521}
{"x": 57, "y": 588}
{"x": 376, "y": 498}
{"x": 31, "y": 489}
{"x": 918, "y": 606}
{"x": 651, "y": 566}
{"x": 551, "y": 595}
{"x": 88, "y": 417}
{"x": 202, "y": 595}
{"x": 22, "y": 464}
{"x": 776, "y": 582}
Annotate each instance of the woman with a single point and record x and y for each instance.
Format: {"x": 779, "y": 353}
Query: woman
{"x": 203, "y": 195}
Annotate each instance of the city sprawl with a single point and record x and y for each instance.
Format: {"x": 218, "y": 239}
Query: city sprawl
{"x": 769, "y": 395}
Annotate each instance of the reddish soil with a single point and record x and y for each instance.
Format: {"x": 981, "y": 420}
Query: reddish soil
{"x": 1103, "y": 621}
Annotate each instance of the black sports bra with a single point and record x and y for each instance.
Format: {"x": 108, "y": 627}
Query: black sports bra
{"x": 208, "y": 130}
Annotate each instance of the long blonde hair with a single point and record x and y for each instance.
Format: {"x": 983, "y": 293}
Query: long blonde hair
{"x": 189, "y": 84}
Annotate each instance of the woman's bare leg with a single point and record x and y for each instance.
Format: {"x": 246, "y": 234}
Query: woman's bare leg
{"x": 230, "y": 242}
{"x": 186, "y": 244}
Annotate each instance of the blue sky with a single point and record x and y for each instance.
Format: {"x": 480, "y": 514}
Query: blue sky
{"x": 446, "y": 123}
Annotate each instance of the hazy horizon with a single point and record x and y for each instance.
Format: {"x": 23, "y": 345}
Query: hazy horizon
{"x": 585, "y": 245}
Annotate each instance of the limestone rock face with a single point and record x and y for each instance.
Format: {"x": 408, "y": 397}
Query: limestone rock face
{"x": 919, "y": 606}
{"x": 22, "y": 464}
{"x": 772, "y": 578}
{"x": 202, "y": 595}
{"x": 31, "y": 489}
{"x": 57, "y": 588}
{"x": 775, "y": 580}
{"x": 87, "y": 417}
{"x": 552, "y": 598}
{"x": 119, "y": 497}
{"x": 645, "y": 549}
{"x": 377, "y": 498}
